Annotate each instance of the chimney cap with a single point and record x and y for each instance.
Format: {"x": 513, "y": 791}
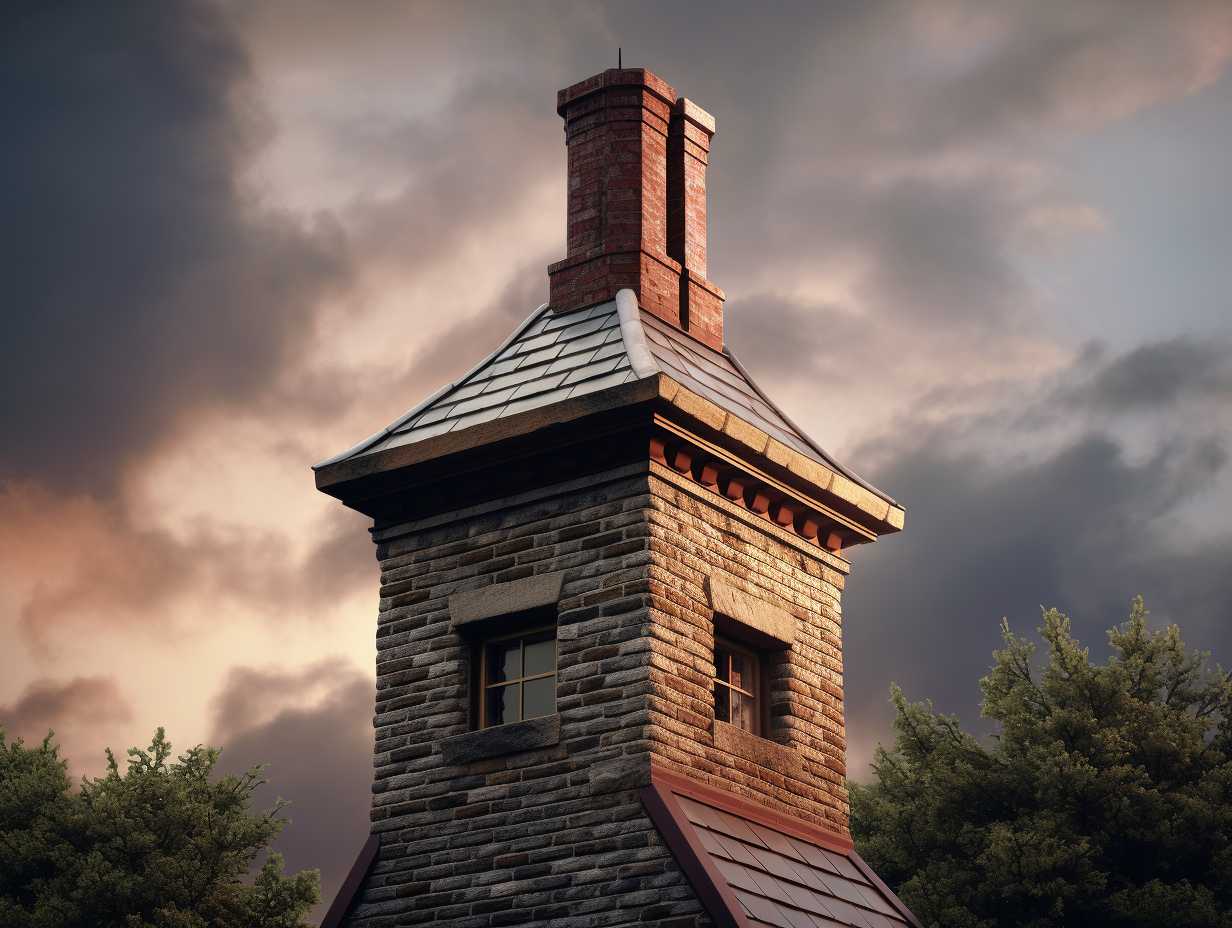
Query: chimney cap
{"x": 616, "y": 77}
{"x": 694, "y": 114}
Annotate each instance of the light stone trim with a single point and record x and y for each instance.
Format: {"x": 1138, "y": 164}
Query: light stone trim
{"x": 739, "y": 606}
{"x": 499, "y": 599}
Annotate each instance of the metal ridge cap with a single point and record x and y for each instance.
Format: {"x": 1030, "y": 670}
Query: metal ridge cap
{"x": 826, "y": 456}
{"x": 641, "y": 358}
{"x": 401, "y": 420}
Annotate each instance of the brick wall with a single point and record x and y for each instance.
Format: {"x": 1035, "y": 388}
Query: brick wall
{"x": 556, "y": 833}
{"x": 550, "y": 835}
{"x": 695, "y": 534}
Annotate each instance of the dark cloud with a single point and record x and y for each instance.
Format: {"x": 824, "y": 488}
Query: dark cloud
{"x": 386, "y": 392}
{"x": 78, "y": 704}
{"x": 1162, "y": 374}
{"x": 115, "y": 576}
{"x": 146, "y": 279}
{"x": 891, "y": 153}
{"x": 1001, "y": 524}
{"x": 313, "y": 729}
{"x": 461, "y": 174}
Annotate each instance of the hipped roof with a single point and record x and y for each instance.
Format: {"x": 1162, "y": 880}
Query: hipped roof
{"x": 553, "y": 357}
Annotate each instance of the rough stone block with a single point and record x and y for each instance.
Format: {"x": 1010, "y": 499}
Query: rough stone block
{"x": 754, "y": 612}
{"x": 499, "y": 599}
{"x": 622, "y": 773}
{"x": 501, "y": 739}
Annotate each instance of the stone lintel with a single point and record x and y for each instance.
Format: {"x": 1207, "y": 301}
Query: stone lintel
{"x": 504, "y": 599}
{"x": 768, "y": 620}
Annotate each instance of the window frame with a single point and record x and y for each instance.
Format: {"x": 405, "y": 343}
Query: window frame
{"x": 758, "y": 692}
{"x": 482, "y": 646}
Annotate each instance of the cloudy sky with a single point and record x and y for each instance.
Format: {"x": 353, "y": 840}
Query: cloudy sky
{"x": 980, "y": 251}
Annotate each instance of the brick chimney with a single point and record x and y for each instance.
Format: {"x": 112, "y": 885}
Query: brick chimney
{"x": 637, "y": 201}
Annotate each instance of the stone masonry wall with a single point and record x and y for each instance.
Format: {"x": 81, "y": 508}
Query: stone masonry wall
{"x": 695, "y": 534}
{"x": 553, "y": 835}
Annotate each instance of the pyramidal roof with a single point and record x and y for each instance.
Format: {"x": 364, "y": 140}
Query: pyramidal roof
{"x": 552, "y": 357}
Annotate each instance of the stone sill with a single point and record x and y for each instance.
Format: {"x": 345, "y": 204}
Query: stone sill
{"x": 758, "y": 750}
{"x": 501, "y": 739}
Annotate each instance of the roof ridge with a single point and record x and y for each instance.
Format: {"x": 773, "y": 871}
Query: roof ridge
{"x": 641, "y": 358}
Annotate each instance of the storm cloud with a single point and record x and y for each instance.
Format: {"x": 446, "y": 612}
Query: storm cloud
{"x": 1005, "y": 519}
{"x": 106, "y": 574}
{"x": 311, "y": 729}
{"x": 242, "y": 237}
{"x": 49, "y": 704}
{"x": 147, "y": 277}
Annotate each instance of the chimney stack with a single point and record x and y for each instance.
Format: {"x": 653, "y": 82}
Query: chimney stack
{"x": 637, "y": 201}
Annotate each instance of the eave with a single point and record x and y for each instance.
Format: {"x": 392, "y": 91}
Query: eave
{"x": 686, "y": 431}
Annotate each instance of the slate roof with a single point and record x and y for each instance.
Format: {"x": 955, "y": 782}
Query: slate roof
{"x": 759, "y": 869}
{"x": 552, "y": 357}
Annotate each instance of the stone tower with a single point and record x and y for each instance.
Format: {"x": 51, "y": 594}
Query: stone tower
{"x": 609, "y": 647}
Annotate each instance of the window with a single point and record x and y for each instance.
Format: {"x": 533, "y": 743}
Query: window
{"x": 737, "y": 686}
{"x": 518, "y": 677}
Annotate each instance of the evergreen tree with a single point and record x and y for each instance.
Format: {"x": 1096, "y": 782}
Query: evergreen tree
{"x": 165, "y": 844}
{"x": 1104, "y": 798}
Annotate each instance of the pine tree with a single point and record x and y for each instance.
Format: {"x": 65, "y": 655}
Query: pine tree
{"x": 1104, "y": 798}
{"x": 165, "y": 844}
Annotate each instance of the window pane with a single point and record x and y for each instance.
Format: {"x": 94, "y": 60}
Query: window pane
{"x": 539, "y": 697}
{"x": 503, "y": 705}
{"x": 504, "y": 661}
{"x": 741, "y": 672}
{"x": 722, "y": 709}
{"x": 721, "y": 661}
{"x": 540, "y": 656}
{"x": 743, "y": 712}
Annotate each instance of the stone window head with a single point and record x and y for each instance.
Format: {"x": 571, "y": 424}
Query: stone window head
{"x": 739, "y": 681}
{"x": 752, "y": 644}
{"x": 517, "y": 676}
{"x": 509, "y": 633}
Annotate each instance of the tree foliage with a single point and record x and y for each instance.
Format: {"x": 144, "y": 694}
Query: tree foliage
{"x": 165, "y": 844}
{"x": 1103, "y": 799}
